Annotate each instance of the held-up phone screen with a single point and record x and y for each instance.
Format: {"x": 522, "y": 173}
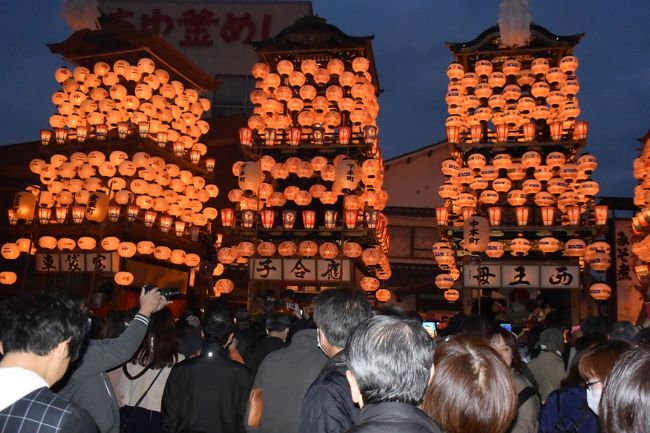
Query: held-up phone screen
{"x": 506, "y": 326}
{"x": 430, "y": 327}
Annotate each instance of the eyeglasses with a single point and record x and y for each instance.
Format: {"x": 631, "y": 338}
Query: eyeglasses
{"x": 590, "y": 384}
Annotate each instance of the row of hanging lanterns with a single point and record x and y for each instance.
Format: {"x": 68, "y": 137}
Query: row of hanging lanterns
{"x": 641, "y": 219}
{"x": 519, "y": 100}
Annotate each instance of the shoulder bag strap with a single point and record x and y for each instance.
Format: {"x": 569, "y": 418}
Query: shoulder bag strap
{"x": 150, "y": 385}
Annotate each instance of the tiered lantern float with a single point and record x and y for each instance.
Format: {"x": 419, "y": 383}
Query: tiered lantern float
{"x": 641, "y": 220}
{"x": 312, "y": 183}
{"x": 515, "y": 138}
{"x": 122, "y": 169}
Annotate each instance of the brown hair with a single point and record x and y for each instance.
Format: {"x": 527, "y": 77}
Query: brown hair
{"x": 626, "y": 398}
{"x": 468, "y": 367}
{"x": 598, "y": 361}
{"x": 509, "y": 339}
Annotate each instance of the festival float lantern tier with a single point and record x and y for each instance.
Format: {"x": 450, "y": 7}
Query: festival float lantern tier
{"x": 516, "y": 141}
{"x": 641, "y": 219}
{"x": 311, "y": 184}
{"x": 121, "y": 168}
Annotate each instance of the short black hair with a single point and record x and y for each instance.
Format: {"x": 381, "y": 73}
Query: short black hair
{"x": 218, "y": 323}
{"x": 277, "y": 322}
{"x": 626, "y": 396}
{"x": 37, "y": 323}
{"x": 338, "y": 311}
{"x": 390, "y": 359}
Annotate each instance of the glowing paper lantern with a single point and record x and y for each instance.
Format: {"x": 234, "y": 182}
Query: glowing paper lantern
{"x": 600, "y": 291}
{"x": 123, "y": 278}
{"x": 383, "y": 295}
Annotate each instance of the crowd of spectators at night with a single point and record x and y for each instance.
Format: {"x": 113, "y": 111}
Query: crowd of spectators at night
{"x": 333, "y": 366}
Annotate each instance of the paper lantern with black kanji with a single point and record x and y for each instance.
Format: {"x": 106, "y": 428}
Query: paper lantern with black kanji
{"x": 226, "y": 255}
{"x": 352, "y": 250}
{"x": 308, "y": 248}
{"x": 123, "y": 278}
{"x": 476, "y": 234}
{"x": 8, "y": 278}
{"x": 369, "y": 284}
{"x": 224, "y": 285}
{"x": 10, "y": 251}
{"x": 328, "y": 250}
{"x": 287, "y": 248}
{"x": 266, "y": 249}
{"x": 126, "y": 249}
{"x": 383, "y": 295}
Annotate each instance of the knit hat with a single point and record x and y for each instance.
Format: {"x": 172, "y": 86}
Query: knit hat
{"x": 552, "y": 340}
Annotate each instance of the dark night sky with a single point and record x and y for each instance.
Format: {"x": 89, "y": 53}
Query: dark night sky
{"x": 411, "y": 58}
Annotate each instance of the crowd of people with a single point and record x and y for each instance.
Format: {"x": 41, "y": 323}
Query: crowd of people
{"x": 346, "y": 368}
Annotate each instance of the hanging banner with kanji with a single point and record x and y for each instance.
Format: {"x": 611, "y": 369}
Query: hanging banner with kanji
{"x": 628, "y": 300}
{"x": 75, "y": 262}
{"x": 301, "y": 269}
{"x": 217, "y": 36}
{"x": 517, "y": 275}
{"x": 483, "y": 275}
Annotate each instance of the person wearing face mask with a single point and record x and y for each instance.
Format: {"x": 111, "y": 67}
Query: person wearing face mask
{"x": 595, "y": 367}
{"x": 574, "y": 408}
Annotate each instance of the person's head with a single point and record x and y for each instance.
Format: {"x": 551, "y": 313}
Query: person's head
{"x": 115, "y": 324}
{"x": 626, "y": 398}
{"x": 218, "y": 324}
{"x": 593, "y": 324}
{"x": 392, "y": 310}
{"x": 642, "y": 337}
{"x": 471, "y": 390}
{"x": 582, "y": 345}
{"x": 45, "y": 330}
{"x": 505, "y": 344}
{"x": 474, "y": 326}
{"x": 551, "y": 340}
{"x": 623, "y": 330}
{"x": 277, "y": 325}
{"x": 337, "y": 313}
{"x": 595, "y": 366}
{"x": 389, "y": 359}
{"x": 189, "y": 339}
{"x": 159, "y": 348}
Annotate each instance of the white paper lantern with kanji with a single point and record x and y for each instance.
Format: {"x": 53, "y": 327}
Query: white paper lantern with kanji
{"x": 600, "y": 291}
{"x": 123, "y": 278}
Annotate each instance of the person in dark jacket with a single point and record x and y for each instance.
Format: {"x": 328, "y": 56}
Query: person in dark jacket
{"x": 389, "y": 397}
{"x": 41, "y": 334}
{"x": 328, "y": 406}
{"x": 277, "y": 329}
{"x": 281, "y": 383}
{"x": 88, "y": 384}
{"x": 208, "y": 393}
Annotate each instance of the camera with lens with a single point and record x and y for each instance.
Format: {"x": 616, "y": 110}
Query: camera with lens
{"x": 168, "y": 292}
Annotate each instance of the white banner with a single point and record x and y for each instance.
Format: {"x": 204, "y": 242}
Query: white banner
{"x": 74, "y": 262}
{"x": 520, "y": 275}
{"x": 628, "y": 300}
{"x": 308, "y": 270}
{"x": 483, "y": 275}
{"x": 560, "y": 277}
{"x": 493, "y": 276}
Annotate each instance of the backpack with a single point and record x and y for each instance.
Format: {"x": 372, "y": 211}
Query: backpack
{"x": 567, "y": 424}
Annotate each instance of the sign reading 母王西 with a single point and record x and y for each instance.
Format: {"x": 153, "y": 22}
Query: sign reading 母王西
{"x": 492, "y": 276}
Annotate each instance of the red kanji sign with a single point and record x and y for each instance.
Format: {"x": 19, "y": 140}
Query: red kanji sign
{"x": 196, "y": 28}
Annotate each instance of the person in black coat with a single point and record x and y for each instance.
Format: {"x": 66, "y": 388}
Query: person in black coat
{"x": 208, "y": 393}
{"x": 277, "y": 330}
{"x": 390, "y": 363}
{"x": 328, "y": 406}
